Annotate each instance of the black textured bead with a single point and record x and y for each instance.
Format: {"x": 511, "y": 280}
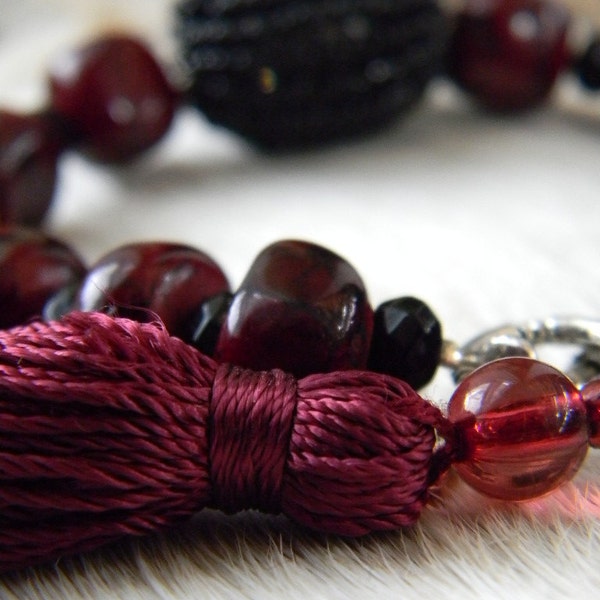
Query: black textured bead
{"x": 210, "y": 319}
{"x": 588, "y": 66}
{"x": 293, "y": 73}
{"x": 407, "y": 341}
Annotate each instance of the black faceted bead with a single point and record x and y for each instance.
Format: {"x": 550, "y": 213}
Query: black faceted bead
{"x": 210, "y": 319}
{"x": 588, "y": 66}
{"x": 297, "y": 73}
{"x": 407, "y": 341}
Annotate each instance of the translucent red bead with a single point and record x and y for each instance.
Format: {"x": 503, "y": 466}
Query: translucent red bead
{"x": 522, "y": 426}
{"x": 143, "y": 280}
{"x": 33, "y": 267}
{"x": 29, "y": 150}
{"x": 508, "y": 53}
{"x": 301, "y": 308}
{"x": 114, "y": 97}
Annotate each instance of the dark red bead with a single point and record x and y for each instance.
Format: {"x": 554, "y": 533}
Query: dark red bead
{"x": 211, "y": 317}
{"x": 591, "y": 396}
{"x": 114, "y": 96}
{"x": 508, "y": 53}
{"x": 523, "y": 427}
{"x": 407, "y": 341}
{"x": 145, "y": 280}
{"x": 33, "y": 267}
{"x": 301, "y": 308}
{"x": 29, "y": 149}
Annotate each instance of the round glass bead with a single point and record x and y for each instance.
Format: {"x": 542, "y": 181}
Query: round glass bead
{"x": 407, "y": 341}
{"x": 33, "y": 268}
{"x": 144, "y": 280}
{"x": 508, "y": 53}
{"x": 114, "y": 96}
{"x": 522, "y": 427}
{"x": 591, "y": 396}
{"x": 29, "y": 150}
{"x": 300, "y": 308}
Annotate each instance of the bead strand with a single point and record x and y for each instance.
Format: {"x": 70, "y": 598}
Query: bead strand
{"x": 111, "y": 100}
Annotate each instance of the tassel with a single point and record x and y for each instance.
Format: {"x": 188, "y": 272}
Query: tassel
{"x": 109, "y": 427}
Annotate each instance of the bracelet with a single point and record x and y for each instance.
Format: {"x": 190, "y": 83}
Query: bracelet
{"x": 455, "y": 444}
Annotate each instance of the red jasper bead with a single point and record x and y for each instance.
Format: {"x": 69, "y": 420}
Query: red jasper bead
{"x": 145, "y": 280}
{"x": 33, "y": 267}
{"x": 301, "y": 308}
{"x": 523, "y": 428}
{"x": 508, "y": 53}
{"x": 29, "y": 150}
{"x": 114, "y": 96}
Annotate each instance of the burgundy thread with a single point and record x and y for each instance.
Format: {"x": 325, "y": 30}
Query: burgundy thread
{"x": 104, "y": 432}
{"x": 251, "y": 417}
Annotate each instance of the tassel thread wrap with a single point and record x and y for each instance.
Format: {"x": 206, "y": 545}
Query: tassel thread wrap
{"x": 109, "y": 428}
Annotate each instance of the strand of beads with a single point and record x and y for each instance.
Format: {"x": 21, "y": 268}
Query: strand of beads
{"x": 301, "y": 307}
{"x": 289, "y": 75}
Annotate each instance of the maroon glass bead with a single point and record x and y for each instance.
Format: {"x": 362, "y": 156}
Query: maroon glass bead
{"x": 407, "y": 341}
{"x": 144, "y": 280}
{"x": 29, "y": 149}
{"x": 508, "y": 53}
{"x": 33, "y": 267}
{"x": 114, "y": 96}
{"x": 523, "y": 428}
{"x": 301, "y": 308}
{"x": 591, "y": 396}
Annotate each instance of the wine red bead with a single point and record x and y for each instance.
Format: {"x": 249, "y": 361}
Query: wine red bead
{"x": 29, "y": 150}
{"x": 301, "y": 308}
{"x": 114, "y": 96}
{"x": 33, "y": 267}
{"x": 591, "y": 396}
{"x": 508, "y": 53}
{"x": 145, "y": 280}
{"x": 523, "y": 428}
{"x": 407, "y": 341}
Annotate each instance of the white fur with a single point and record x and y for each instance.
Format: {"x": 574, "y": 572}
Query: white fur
{"x": 488, "y": 220}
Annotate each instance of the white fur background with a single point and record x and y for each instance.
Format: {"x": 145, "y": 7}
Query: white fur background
{"x": 489, "y": 220}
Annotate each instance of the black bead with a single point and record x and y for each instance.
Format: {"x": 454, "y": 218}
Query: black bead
{"x": 588, "y": 66}
{"x": 210, "y": 319}
{"x": 407, "y": 341}
{"x": 294, "y": 73}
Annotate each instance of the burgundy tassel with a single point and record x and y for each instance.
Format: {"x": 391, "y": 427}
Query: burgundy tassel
{"x": 110, "y": 427}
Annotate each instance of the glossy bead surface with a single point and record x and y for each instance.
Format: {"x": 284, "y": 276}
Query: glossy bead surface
{"x": 591, "y": 396}
{"x": 407, "y": 341}
{"x": 301, "y": 308}
{"x": 508, "y": 53}
{"x": 523, "y": 428}
{"x": 114, "y": 97}
{"x": 588, "y": 66}
{"x": 143, "y": 280}
{"x": 211, "y": 317}
{"x": 29, "y": 150}
{"x": 33, "y": 267}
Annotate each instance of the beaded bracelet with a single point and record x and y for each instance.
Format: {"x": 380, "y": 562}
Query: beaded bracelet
{"x": 94, "y": 335}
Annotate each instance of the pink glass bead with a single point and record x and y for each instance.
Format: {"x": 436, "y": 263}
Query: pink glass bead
{"x": 523, "y": 428}
{"x": 301, "y": 308}
{"x": 508, "y": 53}
{"x": 143, "y": 280}
{"x": 114, "y": 97}
{"x": 33, "y": 267}
{"x": 591, "y": 396}
{"x": 29, "y": 150}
